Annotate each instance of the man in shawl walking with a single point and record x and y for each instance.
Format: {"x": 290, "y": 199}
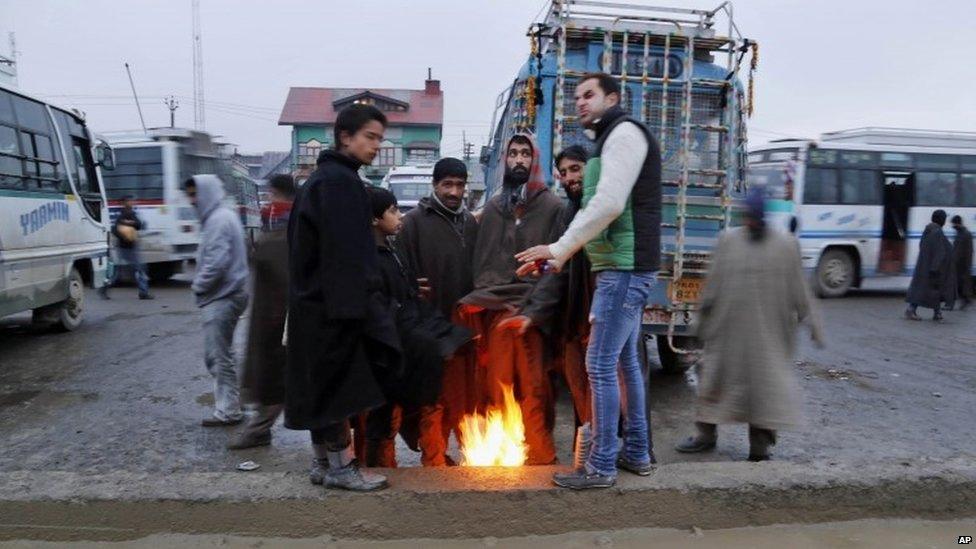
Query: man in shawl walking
{"x": 962, "y": 260}
{"x": 337, "y": 330}
{"x": 753, "y": 300}
{"x": 523, "y": 214}
{"x": 932, "y": 279}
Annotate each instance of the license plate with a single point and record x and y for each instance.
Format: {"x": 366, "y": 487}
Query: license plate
{"x": 688, "y": 289}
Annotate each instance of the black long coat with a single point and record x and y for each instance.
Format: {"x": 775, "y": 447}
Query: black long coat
{"x": 962, "y": 258}
{"x": 335, "y": 332}
{"x": 932, "y": 282}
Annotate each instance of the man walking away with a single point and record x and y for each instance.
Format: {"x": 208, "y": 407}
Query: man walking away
{"x": 753, "y": 299}
{"x": 620, "y": 226}
{"x": 437, "y": 241}
{"x": 962, "y": 258}
{"x": 263, "y": 381}
{"x": 220, "y": 289}
{"x": 332, "y": 270}
{"x": 126, "y": 231}
{"x": 932, "y": 270}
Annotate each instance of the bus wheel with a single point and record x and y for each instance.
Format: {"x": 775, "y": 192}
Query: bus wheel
{"x": 672, "y": 362}
{"x": 161, "y": 272}
{"x": 835, "y": 273}
{"x": 65, "y": 315}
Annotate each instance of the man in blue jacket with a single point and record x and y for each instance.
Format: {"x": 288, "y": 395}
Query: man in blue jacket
{"x": 220, "y": 287}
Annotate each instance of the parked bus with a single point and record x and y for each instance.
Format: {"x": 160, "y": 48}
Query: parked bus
{"x": 150, "y": 169}
{"x": 859, "y": 199}
{"x": 53, "y": 215}
{"x": 409, "y": 184}
{"x": 679, "y": 74}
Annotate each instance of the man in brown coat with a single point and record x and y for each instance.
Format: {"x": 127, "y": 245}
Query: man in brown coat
{"x": 753, "y": 300}
{"x": 523, "y": 214}
{"x": 438, "y": 240}
{"x": 263, "y": 380}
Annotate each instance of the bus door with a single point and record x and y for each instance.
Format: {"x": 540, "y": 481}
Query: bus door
{"x": 898, "y": 198}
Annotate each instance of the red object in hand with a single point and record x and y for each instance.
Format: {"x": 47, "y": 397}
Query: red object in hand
{"x": 542, "y": 265}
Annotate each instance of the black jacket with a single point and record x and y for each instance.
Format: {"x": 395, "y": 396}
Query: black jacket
{"x": 559, "y": 304}
{"x": 427, "y": 337}
{"x": 934, "y": 279}
{"x": 126, "y": 217}
{"x": 962, "y": 257}
{"x": 439, "y": 246}
{"x": 338, "y": 334}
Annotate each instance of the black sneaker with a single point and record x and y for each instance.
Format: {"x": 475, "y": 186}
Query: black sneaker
{"x": 581, "y": 480}
{"x": 641, "y": 470}
{"x": 147, "y": 296}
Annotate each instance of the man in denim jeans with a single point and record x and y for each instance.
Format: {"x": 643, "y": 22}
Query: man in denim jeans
{"x": 220, "y": 290}
{"x": 619, "y": 226}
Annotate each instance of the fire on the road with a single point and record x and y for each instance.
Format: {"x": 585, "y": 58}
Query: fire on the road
{"x": 495, "y": 438}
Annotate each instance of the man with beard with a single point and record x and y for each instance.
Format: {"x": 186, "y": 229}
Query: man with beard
{"x": 336, "y": 335}
{"x": 560, "y": 303}
{"x": 523, "y": 214}
{"x": 438, "y": 240}
{"x": 620, "y": 227}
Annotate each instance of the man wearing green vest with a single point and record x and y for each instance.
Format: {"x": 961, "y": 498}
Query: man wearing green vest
{"x": 619, "y": 227}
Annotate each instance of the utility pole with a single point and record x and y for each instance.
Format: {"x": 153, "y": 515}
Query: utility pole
{"x": 136, "y": 97}
{"x": 199, "y": 121}
{"x": 468, "y": 147}
{"x": 171, "y": 104}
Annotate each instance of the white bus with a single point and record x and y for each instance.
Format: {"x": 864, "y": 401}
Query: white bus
{"x": 53, "y": 215}
{"x": 409, "y": 184}
{"x": 859, "y": 199}
{"x": 150, "y": 169}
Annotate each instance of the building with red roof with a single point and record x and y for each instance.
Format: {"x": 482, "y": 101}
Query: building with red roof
{"x": 413, "y": 135}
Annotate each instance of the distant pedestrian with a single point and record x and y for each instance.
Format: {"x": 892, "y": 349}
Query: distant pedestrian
{"x": 220, "y": 287}
{"x": 336, "y": 337}
{"x": 263, "y": 379}
{"x": 126, "y": 231}
{"x": 962, "y": 258}
{"x": 932, "y": 279}
{"x": 753, "y": 300}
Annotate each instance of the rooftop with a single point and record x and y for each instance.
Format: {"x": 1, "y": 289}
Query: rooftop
{"x": 401, "y": 106}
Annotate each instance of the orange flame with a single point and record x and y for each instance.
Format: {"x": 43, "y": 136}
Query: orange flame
{"x": 496, "y": 438}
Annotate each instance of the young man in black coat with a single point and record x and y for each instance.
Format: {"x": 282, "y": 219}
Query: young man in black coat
{"x": 933, "y": 275}
{"x": 962, "y": 258}
{"x": 334, "y": 333}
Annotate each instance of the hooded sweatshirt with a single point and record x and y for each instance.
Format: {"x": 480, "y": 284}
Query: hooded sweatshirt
{"x": 222, "y": 257}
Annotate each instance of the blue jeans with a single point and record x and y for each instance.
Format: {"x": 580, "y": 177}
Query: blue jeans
{"x": 131, "y": 257}
{"x": 618, "y": 305}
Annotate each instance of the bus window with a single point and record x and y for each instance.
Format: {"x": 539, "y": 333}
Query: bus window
{"x": 31, "y": 115}
{"x": 818, "y": 157}
{"x": 6, "y": 109}
{"x": 896, "y": 160}
{"x": 860, "y": 187}
{"x": 39, "y": 162}
{"x": 860, "y": 159}
{"x": 138, "y": 173}
{"x": 946, "y": 162}
{"x": 820, "y": 186}
{"x": 935, "y": 188}
{"x": 967, "y": 190}
{"x": 11, "y": 168}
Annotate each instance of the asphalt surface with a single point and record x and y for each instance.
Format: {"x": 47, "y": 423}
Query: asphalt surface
{"x": 126, "y": 392}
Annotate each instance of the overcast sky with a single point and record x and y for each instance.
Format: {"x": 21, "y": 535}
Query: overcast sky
{"x": 824, "y": 65}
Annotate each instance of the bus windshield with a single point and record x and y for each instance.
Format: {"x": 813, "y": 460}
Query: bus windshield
{"x": 776, "y": 177}
{"x": 138, "y": 174}
{"x": 410, "y": 187}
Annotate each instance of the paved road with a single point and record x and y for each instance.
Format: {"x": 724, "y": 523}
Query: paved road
{"x": 127, "y": 391}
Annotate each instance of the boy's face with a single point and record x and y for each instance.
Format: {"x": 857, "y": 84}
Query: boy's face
{"x": 390, "y": 223}
{"x": 364, "y": 144}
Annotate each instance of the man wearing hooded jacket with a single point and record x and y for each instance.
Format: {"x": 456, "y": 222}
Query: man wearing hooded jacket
{"x": 220, "y": 288}
{"x": 525, "y": 213}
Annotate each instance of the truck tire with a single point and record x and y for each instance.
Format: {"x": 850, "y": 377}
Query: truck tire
{"x": 835, "y": 274}
{"x": 671, "y": 362}
{"x": 65, "y": 316}
{"x": 161, "y": 272}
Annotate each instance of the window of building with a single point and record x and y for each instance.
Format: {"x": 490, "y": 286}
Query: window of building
{"x": 386, "y": 157}
{"x": 308, "y": 152}
{"x": 820, "y": 186}
{"x": 935, "y": 189}
{"x": 860, "y": 187}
